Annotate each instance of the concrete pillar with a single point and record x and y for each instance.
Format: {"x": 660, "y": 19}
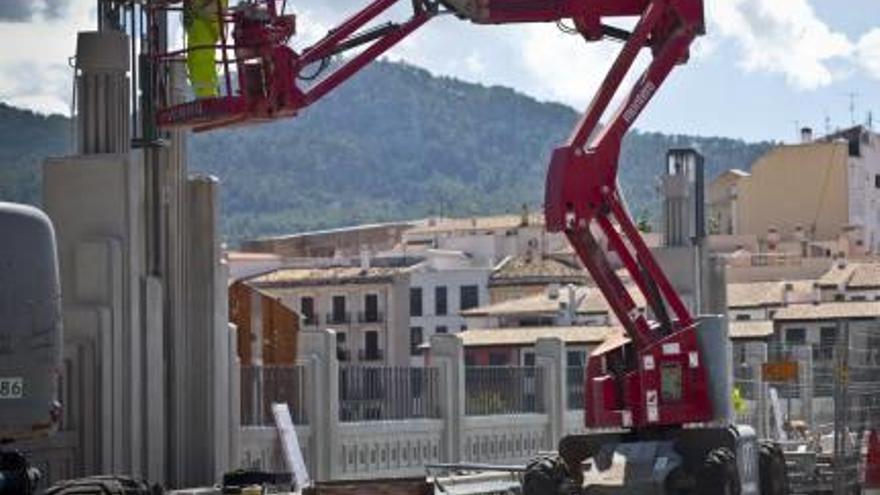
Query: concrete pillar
{"x": 447, "y": 355}
{"x": 206, "y": 350}
{"x": 317, "y": 352}
{"x": 102, "y": 91}
{"x": 550, "y": 357}
{"x": 155, "y": 377}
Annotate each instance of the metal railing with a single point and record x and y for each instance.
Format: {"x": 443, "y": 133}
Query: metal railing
{"x": 370, "y": 317}
{"x": 503, "y": 390}
{"x": 370, "y": 355}
{"x": 574, "y": 387}
{"x": 337, "y": 318}
{"x": 262, "y": 386}
{"x": 387, "y": 393}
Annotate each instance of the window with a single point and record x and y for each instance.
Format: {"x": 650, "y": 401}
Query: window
{"x": 877, "y": 181}
{"x": 371, "y": 308}
{"x": 796, "y": 336}
{"x": 371, "y": 346}
{"x": 470, "y": 297}
{"x": 529, "y": 359}
{"x": 338, "y": 315}
{"x": 415, "y": 340}
{"x": 743, "y": 317}
{"x": 463, "y": 328}
{"x": 858, "y": 298}
{"x": 307, "y": 310}
{"x": 827, "y": 341}
{"x": 415, "y": 301}
{"x": 441, "y": 329}
{"x": 440, "y": 300}
{"x": 575, "y": 358}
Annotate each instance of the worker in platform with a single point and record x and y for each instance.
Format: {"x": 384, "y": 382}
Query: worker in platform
{"x": 201, "y": 19}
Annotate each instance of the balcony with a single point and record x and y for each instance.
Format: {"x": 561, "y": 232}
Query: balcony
{"x": 371, "y": 355}
{"x": 370, "y": 317}
{"x": 338, "y": 318}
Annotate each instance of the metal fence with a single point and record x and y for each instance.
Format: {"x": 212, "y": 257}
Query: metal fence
{"x": 503, "y": 390}
{"x": 574, "y": 387}
{"x": 387, "y": 393}
{"x": 822, "y": 415}
{"x": 261, "y": 386}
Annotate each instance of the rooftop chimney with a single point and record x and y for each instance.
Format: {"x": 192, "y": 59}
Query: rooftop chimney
{"x": 365, "y": 258}
{"x": 806, "y": 135}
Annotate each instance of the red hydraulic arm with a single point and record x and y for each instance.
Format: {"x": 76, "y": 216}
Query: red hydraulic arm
{"x": 656, "y": 377}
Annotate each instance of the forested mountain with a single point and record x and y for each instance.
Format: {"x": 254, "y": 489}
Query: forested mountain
{"x": 394, "y": 143}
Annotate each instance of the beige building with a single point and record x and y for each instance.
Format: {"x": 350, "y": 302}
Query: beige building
{"x": 344, "y": 242}
{"x": 367, "y": 307}
{"x": 820, "y": 190}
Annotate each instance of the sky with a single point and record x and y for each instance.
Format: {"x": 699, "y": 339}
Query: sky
{"x": 765, "y": 68}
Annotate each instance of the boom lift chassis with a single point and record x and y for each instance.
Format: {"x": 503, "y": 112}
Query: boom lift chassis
{"x": 654, "y": 390}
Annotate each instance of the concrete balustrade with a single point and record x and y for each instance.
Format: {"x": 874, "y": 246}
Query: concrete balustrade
{"x": 337, "y": 450}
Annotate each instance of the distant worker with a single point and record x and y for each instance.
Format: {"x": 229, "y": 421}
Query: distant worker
{"x": 739, "y": 402}
{"x": 201, "y": 19}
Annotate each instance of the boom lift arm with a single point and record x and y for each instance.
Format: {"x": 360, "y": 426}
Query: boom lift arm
{"x": 655, "y": 378}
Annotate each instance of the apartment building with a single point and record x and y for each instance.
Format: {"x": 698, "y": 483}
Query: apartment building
{"x": 491, "y": 238}
{"x": 824, "y": 191}
{"x": 341, "y": 242}
{"x": 848, "y": 281}
{"x": 760, "y": 300}
{"x": 441, "y": 287}
{"x": 822, "y": 325}
{"x": 366, "y": 306}
{"x": 520, "y": 276}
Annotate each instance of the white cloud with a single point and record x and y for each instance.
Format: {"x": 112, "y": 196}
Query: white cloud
{"x": 868, "y": 52}
{"x": 784, "y": 37}
{"x": 33, "y": 65}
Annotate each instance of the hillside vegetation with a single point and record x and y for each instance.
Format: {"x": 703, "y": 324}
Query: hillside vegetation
{"x": 394, "y": 143}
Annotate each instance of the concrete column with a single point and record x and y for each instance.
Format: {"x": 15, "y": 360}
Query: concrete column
{"x": 234, "y": 378}
{"x": 550, "y": 357}
{"x": 102, "y": 90}
{"x": 447, "y": 354}
{"x": 207, "y": 400}
{"x": 317, "y": 351}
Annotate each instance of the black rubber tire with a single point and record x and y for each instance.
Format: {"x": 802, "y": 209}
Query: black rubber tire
{"x": 719, "y": 474}
{"x": 771, "y": 469}
{"x": 547, "y": 475}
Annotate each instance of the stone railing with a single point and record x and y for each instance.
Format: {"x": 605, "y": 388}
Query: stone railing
{"x": 448, "y": 426}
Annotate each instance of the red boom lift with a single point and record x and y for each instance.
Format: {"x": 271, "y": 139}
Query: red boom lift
{"x": 659, "y": 395}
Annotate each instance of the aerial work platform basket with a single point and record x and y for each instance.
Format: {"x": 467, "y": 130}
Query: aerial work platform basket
{"x": 253, "y": 69}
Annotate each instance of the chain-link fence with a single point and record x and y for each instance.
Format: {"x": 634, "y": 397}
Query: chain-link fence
{"x": 819, "y": 397}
